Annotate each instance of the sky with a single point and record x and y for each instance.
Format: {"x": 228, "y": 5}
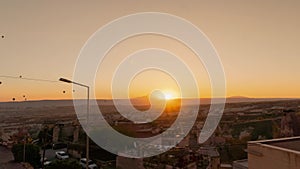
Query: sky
{"x": 257, "y": 42}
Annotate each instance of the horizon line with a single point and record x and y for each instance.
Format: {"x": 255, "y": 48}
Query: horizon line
{"x": 188, "y": 98}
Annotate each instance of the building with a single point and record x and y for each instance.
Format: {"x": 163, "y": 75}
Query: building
{"x": 212, "y": 156}
{"x": 240, "y": 164}
{"x": 281, "y": 153}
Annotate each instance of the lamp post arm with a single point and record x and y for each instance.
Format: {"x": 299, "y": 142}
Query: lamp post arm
{"x": 79, "y": 84}
{"x": 87, "y": 117}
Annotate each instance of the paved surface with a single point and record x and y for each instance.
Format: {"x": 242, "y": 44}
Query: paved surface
{"x": 7, "y": 160}
{"x": 50, "y": 154}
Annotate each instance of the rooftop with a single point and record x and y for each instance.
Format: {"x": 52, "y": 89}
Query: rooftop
{"x": 241, "y": 163}
{"x": 290, "y": 144}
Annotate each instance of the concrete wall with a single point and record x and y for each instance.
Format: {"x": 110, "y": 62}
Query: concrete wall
{"x": 264, "y": 156}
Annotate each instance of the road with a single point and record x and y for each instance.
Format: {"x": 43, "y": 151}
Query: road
{"x": 50, "y": 154}
{"x": 7, "y": 160}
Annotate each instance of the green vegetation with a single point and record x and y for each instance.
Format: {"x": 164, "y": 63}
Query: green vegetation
{"x": 32, "y": 153}
{"x": 96, "y": 152}
{"x": 232, "y": 152}
{"x": 260, "y": 128}
{"x": 64, "y": 164}
{"x": 45, "y": 136}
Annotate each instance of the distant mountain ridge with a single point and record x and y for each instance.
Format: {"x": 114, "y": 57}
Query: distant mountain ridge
{"x": 136, "y": 101}
{"x": 238, "y": 97}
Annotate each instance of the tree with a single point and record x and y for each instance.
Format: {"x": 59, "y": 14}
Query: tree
{"x": 63, "y": 164}
{"x": 45, "y": 136}
{"x": 32, "y": 153}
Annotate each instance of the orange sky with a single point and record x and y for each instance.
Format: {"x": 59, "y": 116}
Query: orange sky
{"x": 257, "y": 41}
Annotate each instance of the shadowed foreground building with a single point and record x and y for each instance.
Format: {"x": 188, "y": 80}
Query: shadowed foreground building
{"x": 240, "y": 164}
{"x": 176, "y": 158}
{"x": 281, "y": 153}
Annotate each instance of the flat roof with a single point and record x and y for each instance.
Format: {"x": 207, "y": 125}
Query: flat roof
{"x": 243, "y": 163}
{"x": 287, "y": 144}
{"x": 292, "y": 144}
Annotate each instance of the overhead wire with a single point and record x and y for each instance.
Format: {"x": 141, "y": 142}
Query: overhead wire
{"x": 31, "y": 79}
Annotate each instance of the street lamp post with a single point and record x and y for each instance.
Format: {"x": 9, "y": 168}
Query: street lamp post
{"x": 26, "y": 137}
{"x": 87, "y": 116}
{"x": 24, "y": 150}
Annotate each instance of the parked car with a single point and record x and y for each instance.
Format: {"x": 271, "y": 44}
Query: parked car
{"x": 56, "y": 146}
{"x": 91, "y": 164}
{"x": 46, "y": 161}
{"x": 61, "y": 155}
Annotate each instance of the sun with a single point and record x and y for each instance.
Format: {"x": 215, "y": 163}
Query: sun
{"x": 164, "y": 95}
{"x": 168, "y": 96}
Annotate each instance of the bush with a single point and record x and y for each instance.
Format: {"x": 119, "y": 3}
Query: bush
{"x": 64, "y": 164}
{"x": 32, "y": 155}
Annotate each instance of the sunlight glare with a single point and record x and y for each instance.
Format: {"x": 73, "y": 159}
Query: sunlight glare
{"x": 168, "y": 96}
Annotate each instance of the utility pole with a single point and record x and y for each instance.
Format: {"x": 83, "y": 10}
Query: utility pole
{"x": 24, "y": 149}
{"x": 45, "y": 132}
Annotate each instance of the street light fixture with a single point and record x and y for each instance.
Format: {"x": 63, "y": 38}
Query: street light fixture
{"x": 87, "y": 115}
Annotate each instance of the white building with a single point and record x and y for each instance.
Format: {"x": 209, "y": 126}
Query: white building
{"x": 281, "y": 153}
